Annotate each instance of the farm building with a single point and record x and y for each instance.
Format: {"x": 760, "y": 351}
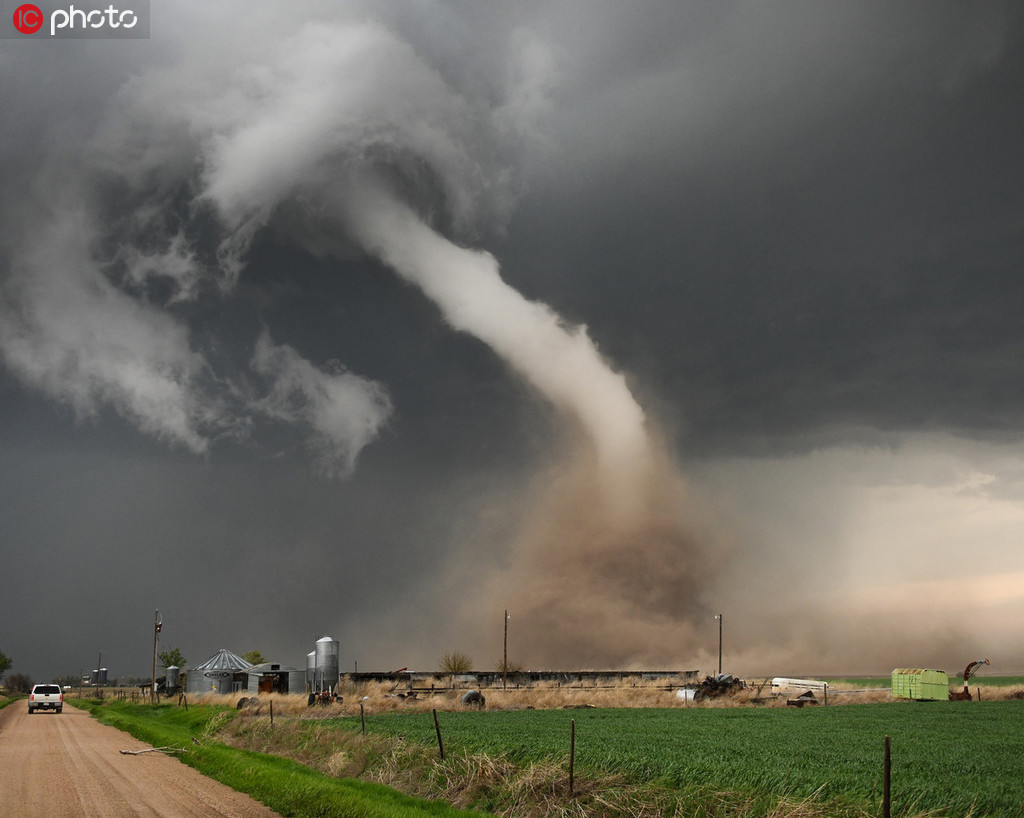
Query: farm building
{"x": 271, "y": 677}
{"x": 224, "y": 672}
{"x": 920, "y": 684}
{"x": 432, "y": 679}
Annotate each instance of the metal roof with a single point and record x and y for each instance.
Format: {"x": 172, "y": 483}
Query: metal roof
{"x": 224, "y": 660}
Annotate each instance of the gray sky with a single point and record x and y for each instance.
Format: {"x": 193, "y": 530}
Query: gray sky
{"x": 379, "y": 319}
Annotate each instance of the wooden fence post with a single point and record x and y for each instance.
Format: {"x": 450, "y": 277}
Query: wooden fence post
{"x": 437, "y": 727}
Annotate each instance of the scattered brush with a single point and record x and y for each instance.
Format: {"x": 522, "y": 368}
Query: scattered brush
{"x": 371, "y": 698}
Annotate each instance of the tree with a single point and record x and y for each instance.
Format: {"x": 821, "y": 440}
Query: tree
{"x": 19, "y": 683}
{"x": 171, "y": 656}
{"x": 254, "y": 657}
{"x": 511, "y": 667}
{"x": 5, "y": 664}
{"x": 456, "y": 662}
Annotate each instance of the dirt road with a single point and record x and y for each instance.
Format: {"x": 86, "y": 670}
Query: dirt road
{"x": 69, "y": 764}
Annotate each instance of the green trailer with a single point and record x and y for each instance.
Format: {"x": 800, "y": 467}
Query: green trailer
{"x": 920, "y": 684}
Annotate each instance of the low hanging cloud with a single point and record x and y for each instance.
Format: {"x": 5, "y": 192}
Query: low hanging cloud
{"x": 342, "y": 411}
{"x": 68, "y": 331}
{"x": 116, "y": 248}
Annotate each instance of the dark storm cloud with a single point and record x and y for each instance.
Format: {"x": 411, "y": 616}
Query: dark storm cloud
{"x": 826, "y": 230}
{"x": 790, "y": 227}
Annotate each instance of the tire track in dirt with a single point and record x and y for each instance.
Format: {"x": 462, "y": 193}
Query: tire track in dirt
{"x": 69, "y": 764}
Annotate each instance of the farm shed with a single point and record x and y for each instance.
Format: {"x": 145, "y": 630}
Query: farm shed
{"x": 224, "y": 672}
{"x": 432, "y": 679}
{"x": 920, "y": 684}
{"x": 271, "y": 677}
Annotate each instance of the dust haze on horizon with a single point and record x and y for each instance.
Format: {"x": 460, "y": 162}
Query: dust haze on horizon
{"x": 399, "y": 318}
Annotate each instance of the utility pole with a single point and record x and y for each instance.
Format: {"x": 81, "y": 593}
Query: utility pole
{"x": 719, "y": 618}
{"x": 157, "y": 624}
{"x": 504, "y": 658}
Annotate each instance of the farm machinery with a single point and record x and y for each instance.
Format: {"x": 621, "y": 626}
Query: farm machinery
{"x": 965, "y": 694}
{"x": 714, "y": 686}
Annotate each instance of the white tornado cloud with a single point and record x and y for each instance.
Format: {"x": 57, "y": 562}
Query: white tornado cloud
{"x": 340, "y": 107}
{"x": 559, "y": 361}
{"x": 342, "y": 134}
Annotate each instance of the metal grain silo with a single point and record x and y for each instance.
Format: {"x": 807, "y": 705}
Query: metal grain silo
{"x": 327, "y": 651}
{"x": 172, "y": 678}
{"x": 224, "y": 672}
{"x": 311, "y": 670}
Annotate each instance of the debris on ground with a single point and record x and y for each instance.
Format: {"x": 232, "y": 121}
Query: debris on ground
{"x": 153, "y": 750}
{"x": 807, "y": 697}
{"x": 712, "y": 687}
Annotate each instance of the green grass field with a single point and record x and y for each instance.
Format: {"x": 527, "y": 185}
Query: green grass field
{"x": 948, "y": 758}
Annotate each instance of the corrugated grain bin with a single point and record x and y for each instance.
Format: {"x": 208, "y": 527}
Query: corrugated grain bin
{"x": 224, "y": 672}
{"x": 920, "y": 684}
{"x": 327, "y": 650}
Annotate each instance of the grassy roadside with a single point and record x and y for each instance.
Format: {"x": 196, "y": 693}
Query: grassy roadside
{"x": 285, "y": 786}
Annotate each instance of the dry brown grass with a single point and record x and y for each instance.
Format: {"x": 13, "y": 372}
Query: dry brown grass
{"x": 383, "y": 698}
